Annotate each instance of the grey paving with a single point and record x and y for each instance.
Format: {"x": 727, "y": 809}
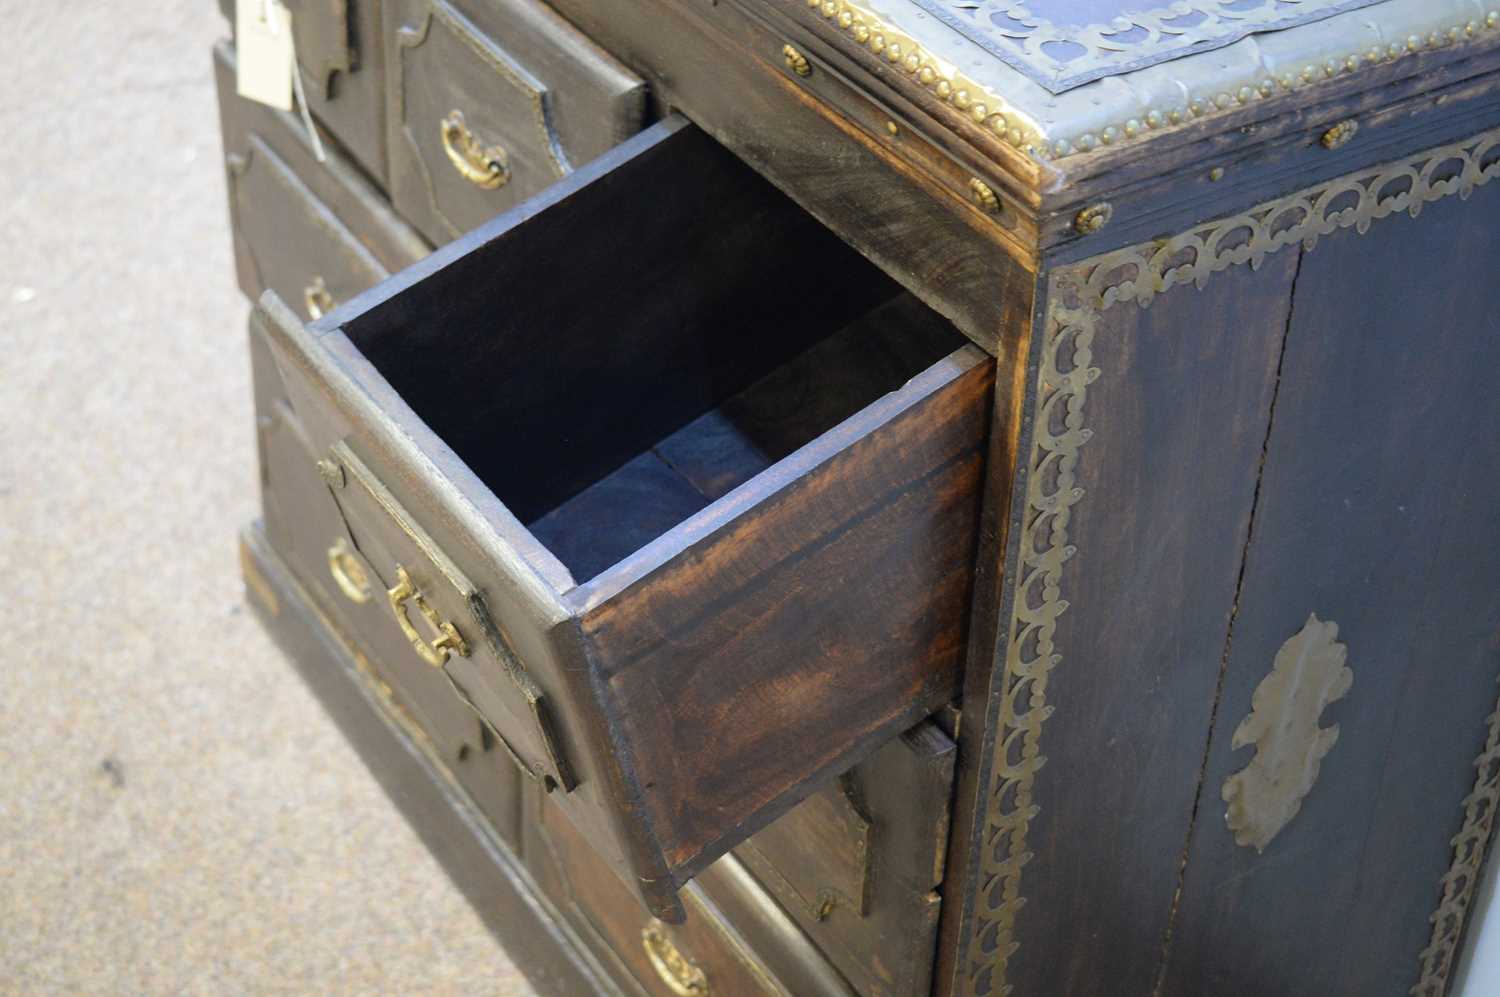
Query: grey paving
{"x": 176, "y": 813}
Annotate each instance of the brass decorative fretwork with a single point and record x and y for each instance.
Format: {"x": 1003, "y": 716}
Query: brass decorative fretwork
{"x": 1076, "y": 297}
{"x": 1061, "y": 56}
{"x": 1308, "y": 674}
{"x": 1009, "y": 122}
{"x": 1462, "y": 877}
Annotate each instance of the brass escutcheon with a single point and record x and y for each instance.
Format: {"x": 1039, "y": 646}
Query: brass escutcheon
{"x": 348, "y": 572}
{"x": 317, "y": 300}
{"x": 486, "y": 168}
{"x": 681, "y": 976}
{"x": 448, "y": 637}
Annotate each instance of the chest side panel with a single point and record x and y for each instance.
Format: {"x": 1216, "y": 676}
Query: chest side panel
{"x": 1377, "y": 514}
{"x": 1146, "y": 430}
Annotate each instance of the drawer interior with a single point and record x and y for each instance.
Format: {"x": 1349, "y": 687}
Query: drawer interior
{"x": 608, "y": 384}
{"x": 742, "y": 435}
{"x": 652, "y": 450}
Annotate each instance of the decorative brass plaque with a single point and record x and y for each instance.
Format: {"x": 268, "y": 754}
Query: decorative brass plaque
{"x": 1308, "y": 674}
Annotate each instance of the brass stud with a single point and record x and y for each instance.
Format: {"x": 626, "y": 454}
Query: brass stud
{"x": 1340, "y": 134}
{"x": 1216, "y": 174}
{"x": 332, "y": 472}
{"x": 796, "y": 61}
{"x": 1093, "y": 218}
{"x": 984, "y": 195}
{"x": 891, "y": 127}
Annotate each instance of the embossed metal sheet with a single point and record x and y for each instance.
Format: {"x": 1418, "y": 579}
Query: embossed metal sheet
{"x": 1062, "y": 44}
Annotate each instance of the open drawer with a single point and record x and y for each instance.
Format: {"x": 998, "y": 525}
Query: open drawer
{"x": 679, "y": 492}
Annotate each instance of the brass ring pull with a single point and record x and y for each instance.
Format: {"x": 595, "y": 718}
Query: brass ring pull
{"x": 348, "y": 572}
{"x": 681, "y": 976}
{"x": 447, "y": 636}
{"x": 317, "y": 300}
{"x": 486, "y": 168}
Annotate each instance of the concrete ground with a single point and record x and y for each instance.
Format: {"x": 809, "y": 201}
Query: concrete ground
{"x": 177, "y": 815}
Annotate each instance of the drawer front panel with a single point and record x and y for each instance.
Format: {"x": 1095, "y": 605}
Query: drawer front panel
{"x": 316, "y": 233}
{"x": 482, "y": 119}
{"x": 803, "y": 602}
{"x": 342, "y": 60}
{"x": 304, "y": 524}
{"x": 720, "y": 949}
{"x": 858, "y": 863}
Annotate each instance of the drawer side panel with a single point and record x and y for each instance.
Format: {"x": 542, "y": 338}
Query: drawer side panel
{"x": 809, "y": 624}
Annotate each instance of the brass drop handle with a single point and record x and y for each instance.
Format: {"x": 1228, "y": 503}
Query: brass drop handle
{"x": 447, "y": 637}
{"x": 486, "y": 168}
{"x": 317, "y": 300}
{"x": 681, "y": 976}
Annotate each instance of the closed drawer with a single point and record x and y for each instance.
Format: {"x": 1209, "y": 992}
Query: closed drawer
{"x": 858, "y": 863}
{"x": 315, "y": 233}
{"x": 680, "y": 492}
{"x": 734, "y": 941}
{"x": 490, "y": 102}
{"x": 341, "y": 57}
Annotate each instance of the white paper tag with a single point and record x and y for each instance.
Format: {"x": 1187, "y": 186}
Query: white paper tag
{"x": 263, "y": 48}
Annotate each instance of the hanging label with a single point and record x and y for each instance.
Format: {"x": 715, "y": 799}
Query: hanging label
{"x": 263, "y": 47}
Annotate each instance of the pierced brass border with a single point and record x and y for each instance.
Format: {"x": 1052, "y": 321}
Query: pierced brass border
{"x": 1462, "y": 878}
{"x": 1076, "y": 296}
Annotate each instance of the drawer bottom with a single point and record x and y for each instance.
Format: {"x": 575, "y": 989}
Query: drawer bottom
{"x": 490, "y": 875}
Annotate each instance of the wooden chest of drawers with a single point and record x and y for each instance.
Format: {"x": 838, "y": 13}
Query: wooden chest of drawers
{"x": 898, "y": 497}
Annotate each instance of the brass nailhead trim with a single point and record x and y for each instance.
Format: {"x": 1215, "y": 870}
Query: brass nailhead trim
{"x": 1340, "y": 134}
{"x": 796, "y": 61}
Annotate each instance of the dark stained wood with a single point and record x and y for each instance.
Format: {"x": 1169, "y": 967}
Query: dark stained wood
{"x": 1176, "y": 189}
{"x": 770, "y": 628}
{"x": 295, "y": 219}
{"x": 337, "y": 396}
{"x": 725, "y": 71}
{"x": 523, "y": 79}
{"x": 484, "y": 867}
{"x": 302, "y": 519}
{"x": 341, "y": 56}
{"x": 824, "y": 599}
{"x": 570, "y": 872}
{"x": 341, "y": 53}
{"x": 879, "y": 835}
{"x": 1178, "y": 417}
{"x": 1376, "y": 511}
{"x": 637, "y": 316}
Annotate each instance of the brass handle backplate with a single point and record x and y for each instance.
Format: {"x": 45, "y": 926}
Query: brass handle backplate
{"x": 447, "y": 637}
{"x": 681, "y": 976}
{"x": 348, "y": 572}
{"x": 486, "y": 168}
{"x": 316, "y": 299}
